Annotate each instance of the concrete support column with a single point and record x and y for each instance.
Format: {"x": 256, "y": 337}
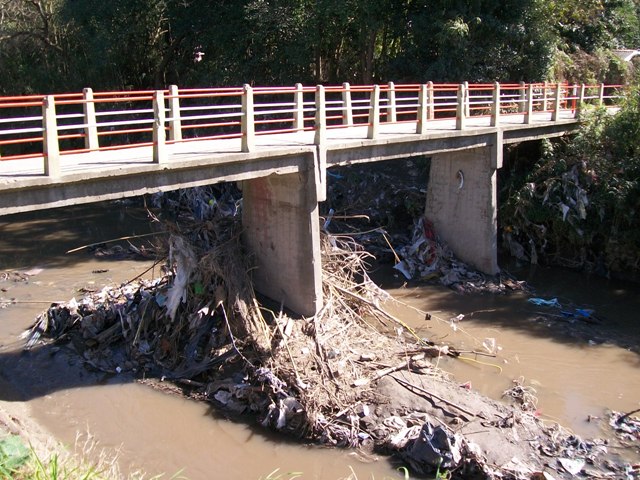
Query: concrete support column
{"x": 347, "y": 108}
{"x": 175, "y": 123}
{"x": 461, "y": 117}
{"x": 298, "y": 109}
{"x": 374, "y": 113}
{"x": 159, "y": 133}
{"x": 392, "y": 115}
{"x": 556, "y": 103}
{"x": 495, "y": 105}
{"x": 601, "y": 95}
{"x": 320, "y": 137}
{"x": 423, "y": 110}
{"x": 431, "y": 102}
{"x": 581, "y": 100}
{"x": 522, "y": 97}
{"x": 528, "y": 114}
{"x": 91, "y": 127}
{"x": 248, "y": 126}
{"x": 281, "y": 228}
{"x": 50, "y": 146}
{"x": 462, "y": 203}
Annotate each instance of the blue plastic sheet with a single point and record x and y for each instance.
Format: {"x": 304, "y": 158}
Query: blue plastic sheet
{"x": 545, "y": 303}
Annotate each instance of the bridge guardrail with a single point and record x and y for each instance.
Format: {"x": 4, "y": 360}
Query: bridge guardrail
{"x": 37, "y": 126}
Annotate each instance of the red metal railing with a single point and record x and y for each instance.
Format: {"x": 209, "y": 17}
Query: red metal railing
{"x": 36, "y": 126}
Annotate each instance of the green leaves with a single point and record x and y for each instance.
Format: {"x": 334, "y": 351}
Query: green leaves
{"x": 13, "y": 455}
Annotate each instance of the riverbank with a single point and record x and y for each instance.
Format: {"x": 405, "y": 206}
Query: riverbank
{"x": 353, "y": 376}
{"x": 37, "y": 368}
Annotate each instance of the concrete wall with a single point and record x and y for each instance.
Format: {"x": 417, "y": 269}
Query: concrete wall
{"x": 465, "y": 216}
{"x": 281, "y": 227}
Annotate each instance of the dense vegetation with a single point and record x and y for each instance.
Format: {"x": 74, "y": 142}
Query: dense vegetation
{"x": 61, "y": 45}
{"x": 579, "y": 205}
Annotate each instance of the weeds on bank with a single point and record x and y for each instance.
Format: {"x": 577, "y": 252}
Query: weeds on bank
{"x": 18, "y": 462}
{"x": 13, "y": 456}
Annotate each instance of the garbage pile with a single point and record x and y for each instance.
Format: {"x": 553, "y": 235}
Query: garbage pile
{"x": 383, "y": 210}
{"x": 200, "y": 326}
{"x": 427, "y": 258}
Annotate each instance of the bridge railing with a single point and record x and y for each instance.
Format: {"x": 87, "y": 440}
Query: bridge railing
{"x": 51, "y": 126}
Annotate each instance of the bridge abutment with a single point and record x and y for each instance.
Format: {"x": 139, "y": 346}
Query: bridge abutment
{"x": 462, "y": 203}
{"x": 281, "y": 228}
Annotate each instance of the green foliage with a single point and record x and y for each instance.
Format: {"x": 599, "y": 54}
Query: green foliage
{"x": 13, "y": 455}
{"x": 64, "y": 45}
{"x": 578, "y": 206}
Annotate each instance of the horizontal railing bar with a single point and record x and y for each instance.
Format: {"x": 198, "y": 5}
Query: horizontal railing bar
{"x": 209, "y": 107}
{"x": 21, "y": 119}
{"x": 106, "y": 113}
{"x": 21, "y": 130}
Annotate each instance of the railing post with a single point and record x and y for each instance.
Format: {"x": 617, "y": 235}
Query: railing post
{"x": 431, "y": 101}
{"x": 392, "y": 115}
{"x": 460, "y": 108}
{"x": 467, "y": 100}
{"x": 544, "y": 96}
{"x": 374, "y": 112}
{"x": 495, "y": 106}
{"x": 601, "y": 95}
{"x": 91, "y": 127}
{"x": 175, "y": 124}
{"x": 320, "y": 137}
{"x": 347, "y": 108}
{"x": 298, "y": 105}
{"x": 581, "y": 97}
{"x": 522, "y": 98}
{"x": 528, "y": 116}
{"x": 423, "y": 109}
{"x": 50, "y": 147}
{"x": 248, "y": 120}
{"x": 159, "y": 133}
{"x": 556, "y": 103}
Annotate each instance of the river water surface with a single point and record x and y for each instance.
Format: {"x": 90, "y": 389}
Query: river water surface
{"x": 575, "y": 373}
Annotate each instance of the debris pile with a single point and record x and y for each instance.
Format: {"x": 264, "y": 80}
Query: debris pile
{"x": 353, "y": 375}
{"x": 427, "y": 258}
{"x": 375, "y": 205}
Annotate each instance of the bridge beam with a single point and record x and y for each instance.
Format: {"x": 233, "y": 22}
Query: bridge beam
{"x": 462, "y": 203}
{"x": 281, "y": 228}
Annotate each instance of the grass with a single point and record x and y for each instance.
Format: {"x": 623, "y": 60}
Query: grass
{"x": 19, "y": 462}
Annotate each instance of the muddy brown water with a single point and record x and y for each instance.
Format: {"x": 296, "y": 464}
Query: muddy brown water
{"x": 575, "y": 372}
{"x": 152, "y": 431}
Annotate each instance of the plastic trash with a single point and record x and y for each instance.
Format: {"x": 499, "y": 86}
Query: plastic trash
{"x": 545, "y": 303}
{"x": 435, "y": 447}
{"x": 403, "y": 268}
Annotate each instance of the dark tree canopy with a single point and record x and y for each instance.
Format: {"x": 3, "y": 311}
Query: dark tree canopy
{"x": 62, "y": 45}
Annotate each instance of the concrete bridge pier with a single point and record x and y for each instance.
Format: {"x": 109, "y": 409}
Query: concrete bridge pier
{"x": 281, "y": 228}
{"x": 462, "y": 203}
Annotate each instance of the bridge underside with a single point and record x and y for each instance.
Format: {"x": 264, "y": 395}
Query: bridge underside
{"x": 283, "y": 184}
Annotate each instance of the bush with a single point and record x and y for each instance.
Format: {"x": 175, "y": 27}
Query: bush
{"x": 579, "y": 205}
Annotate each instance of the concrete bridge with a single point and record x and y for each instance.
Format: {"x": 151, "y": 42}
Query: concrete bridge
{"x": 278, "y": 143}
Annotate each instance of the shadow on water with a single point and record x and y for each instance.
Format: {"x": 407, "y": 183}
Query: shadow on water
{"x": 25, "y": 375}
{"x": 45, "y": 236}
{"x": 615, "y": 304}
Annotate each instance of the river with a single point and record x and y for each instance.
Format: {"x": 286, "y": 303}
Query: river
{"x": 574, "y": 375}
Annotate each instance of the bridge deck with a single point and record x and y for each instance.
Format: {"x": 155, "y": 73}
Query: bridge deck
{"x": 29, "y": 172}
